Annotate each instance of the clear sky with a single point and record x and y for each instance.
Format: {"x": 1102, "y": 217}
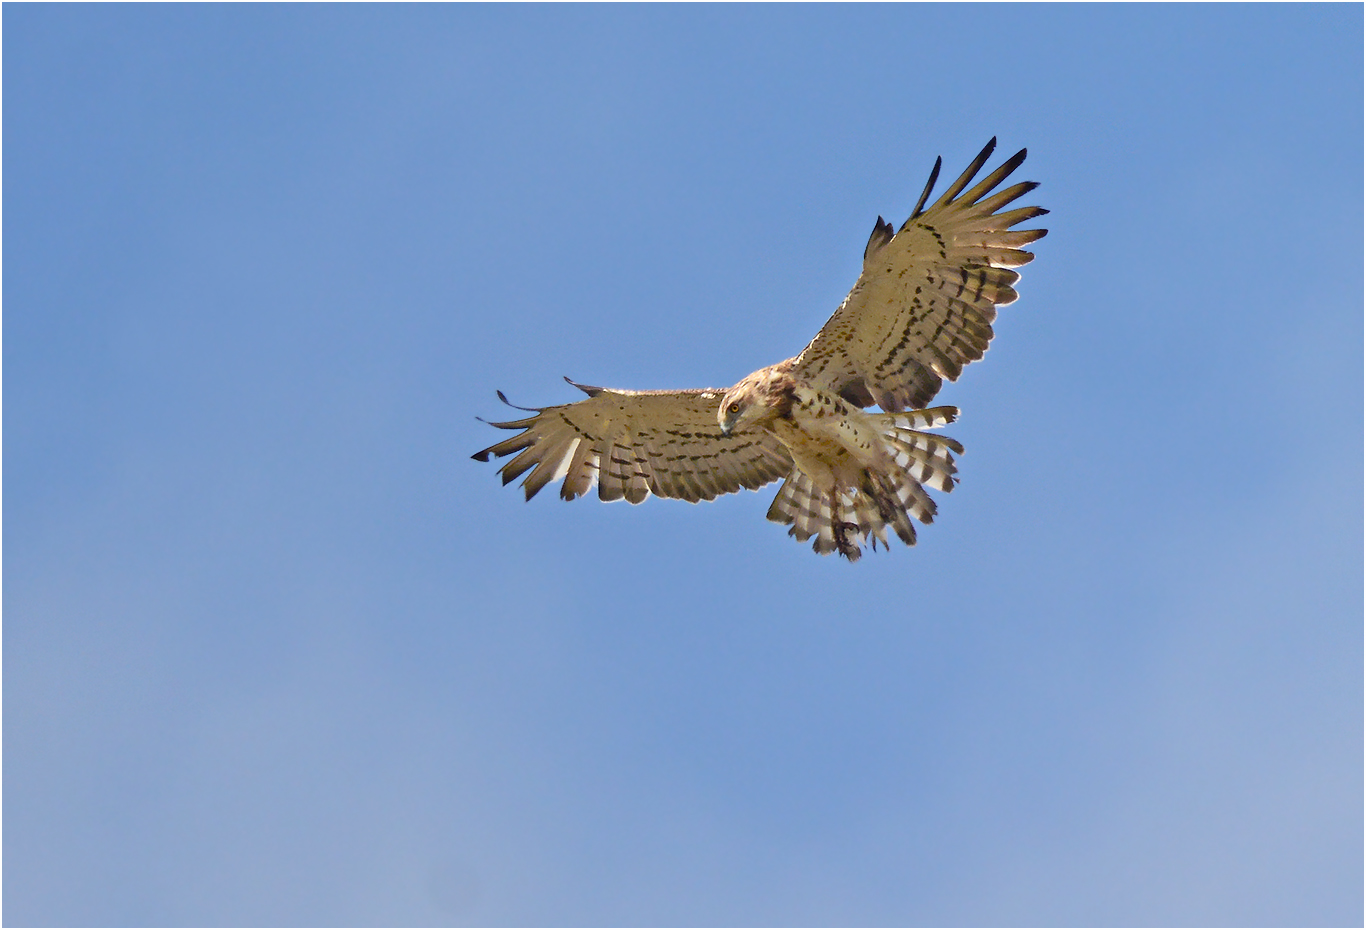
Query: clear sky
{"x": 277, "y": 651}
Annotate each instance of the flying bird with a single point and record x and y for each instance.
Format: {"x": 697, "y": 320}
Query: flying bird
{"x": 921, "y": 309}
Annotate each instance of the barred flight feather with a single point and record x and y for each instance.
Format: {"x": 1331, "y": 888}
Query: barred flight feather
{"x": 1011, "y": 194}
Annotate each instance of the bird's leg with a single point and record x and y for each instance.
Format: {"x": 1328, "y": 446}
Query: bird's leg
{"x": 842, "y": 530}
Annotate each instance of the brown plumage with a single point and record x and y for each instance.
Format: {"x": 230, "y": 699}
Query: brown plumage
{"x": 920, "y": 311}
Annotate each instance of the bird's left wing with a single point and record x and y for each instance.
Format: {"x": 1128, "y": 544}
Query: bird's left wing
{"x": 924, "y": 304}
{"x": 638, "y": 443}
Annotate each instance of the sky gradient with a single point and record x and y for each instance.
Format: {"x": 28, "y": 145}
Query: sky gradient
{"x": 276, "y": 651}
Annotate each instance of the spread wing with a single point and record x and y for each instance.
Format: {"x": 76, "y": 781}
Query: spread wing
{"x": 638, "y": 443}
{"x": 924, "y": 304}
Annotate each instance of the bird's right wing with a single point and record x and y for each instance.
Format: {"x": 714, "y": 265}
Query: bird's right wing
{"x": 638, "y": 443}
{"x": 924, "y": 304}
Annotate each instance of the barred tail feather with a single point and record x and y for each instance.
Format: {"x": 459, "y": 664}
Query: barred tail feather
{"x": 857, "y": 516}
{"x": 919, "y": 419}
{"x": 862, "y": 517}
{"x": 800, "y": 504}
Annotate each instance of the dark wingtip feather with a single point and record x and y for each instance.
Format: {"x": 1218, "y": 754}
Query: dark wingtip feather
{"x": 929, "y": 186}
{"x": 503, "y": 398}
{"x": 881, "y": 235}
{"x": 966, "y": 177}
{"x": 481, "y": 456}
{"x": 588, "y": 389}
{"x": 1013, "y": 162}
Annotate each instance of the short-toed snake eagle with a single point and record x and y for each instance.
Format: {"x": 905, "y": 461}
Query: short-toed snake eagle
{"x": 920, "y": 311}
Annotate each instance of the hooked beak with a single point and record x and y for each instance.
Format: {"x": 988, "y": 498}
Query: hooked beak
{"x": 726, "y": 428}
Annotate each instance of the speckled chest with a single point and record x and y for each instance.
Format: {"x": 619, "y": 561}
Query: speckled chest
{"x": 822, "y": 427}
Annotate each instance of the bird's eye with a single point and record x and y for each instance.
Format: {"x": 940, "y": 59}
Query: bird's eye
{"x": 734, "y": 408}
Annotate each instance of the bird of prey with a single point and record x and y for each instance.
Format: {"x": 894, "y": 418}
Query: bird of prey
{"x": 921, "y": 309}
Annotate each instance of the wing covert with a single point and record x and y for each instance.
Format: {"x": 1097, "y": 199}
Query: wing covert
{"x": 637, "y": 443}
{"x": 923, "y": 306}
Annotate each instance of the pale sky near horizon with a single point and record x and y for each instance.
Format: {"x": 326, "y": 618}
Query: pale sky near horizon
{"x": 276, "y": 651}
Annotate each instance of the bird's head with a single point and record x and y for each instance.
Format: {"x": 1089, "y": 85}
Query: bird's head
{"x": 733, "y": 407}
{"x": 763, "y": 396}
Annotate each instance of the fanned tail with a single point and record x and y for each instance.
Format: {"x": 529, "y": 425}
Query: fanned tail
{"x": 858, "y": 515}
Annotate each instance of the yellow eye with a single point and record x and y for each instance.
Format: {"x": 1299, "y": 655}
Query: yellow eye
{"x": 734, "y": 408}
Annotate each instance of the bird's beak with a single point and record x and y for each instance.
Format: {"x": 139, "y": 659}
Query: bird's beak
{"x": 726, "y": 428}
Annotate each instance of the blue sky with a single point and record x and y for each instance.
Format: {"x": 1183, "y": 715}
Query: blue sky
{"x": 277, "y": 651}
